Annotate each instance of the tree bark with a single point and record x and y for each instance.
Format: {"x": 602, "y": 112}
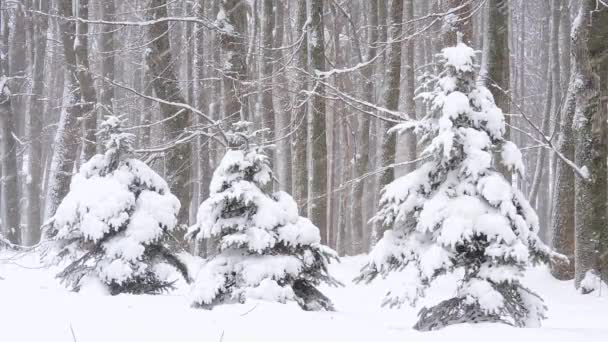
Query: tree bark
{"x": 283, "y": 118}
{"x": 497, "y": 55}
{"x": 233, "y": 26}
{"x": 299, "y": 121}
{"x": 562, "y": 221}
{"x": 317, "y": 157}
{"x": 590, "y": 150}
{"x": 18, "y": 64}
{"x": 267, "y": 56}
{"x": 363, "y": 133}
{"x": 409, "y": 90}
{"x": 68, "y": 133}
{"x": 10, "y": 187}
{"x": 86, "y": 83}
{"x": 391, "y": 97}
{"x": 36, "y": 119}
{"x": 107, "y": 63}
{"x": 164, "y": 80}
{"x": 598, "y": 51}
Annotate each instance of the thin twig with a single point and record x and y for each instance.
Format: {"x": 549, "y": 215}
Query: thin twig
{"x": 248, "y": 311}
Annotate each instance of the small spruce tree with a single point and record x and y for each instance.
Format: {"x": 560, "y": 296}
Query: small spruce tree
{"x": 265, "y": 250}
{"x": 113, "y": 225}
{"x": 455, "y": 214}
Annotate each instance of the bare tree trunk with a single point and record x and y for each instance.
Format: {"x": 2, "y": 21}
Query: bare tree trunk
{"x": 68, "y": 133}
{"x": 362, "y": 159}
{"x": 590, "y": 150}
{"x": 10, "y": 186}
{"x": 204, "y": 156}
{"x": 497, "y": 55}
{"x": 202, "y": 103}
{"x": 522, "y": 73}
{"x": 267, "y": 56}
{"x": 18, "y": 63}
{"x": 565, "y": 30}
{"x": 166, "y": 87}
{"x": 299, "y": 121}
{"x": 539, "y": 170}
{"x": 146, "y": 115}
{"x": 317, "y": 188}
{"x": 562, "y": 220}
{"x": 36, "y": 119}
{"x": 391, "y": 96}
{"x": 85, "y": 80}
{"x": 409, "y": 90}
{"x": 107, "y": 54}
{"x": 283, "y": 118}
{"x": 233, "y": 27}
{"x": 598, "y": 51}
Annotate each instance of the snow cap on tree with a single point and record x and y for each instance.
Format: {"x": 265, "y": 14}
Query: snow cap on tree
{"x": 112, "y": 225}
{"x": 265, "y": 249}
{"x": 457, "y": 214}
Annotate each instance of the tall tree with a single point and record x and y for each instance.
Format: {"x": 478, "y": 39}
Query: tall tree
{"x": 266, "y": 82}
{"x": 10, "y": 185}
{"x": 362, "y": 142}
{"x": 317, "y": 138}
{"x": 283, "y": 117}
{"x": 598, "y": 52}
{"x": 409, "y": 89}
{"x": 18, "y": 62}
{"x": 85, "y": 81}
{"x": 166, "y": 87}
{"x": 232, "y": 22}
{"x": 107, "y": 50}
{"x": 299, "y": 120}
{"x": 562, "y": 219}
{"x": 36, "y": 119}
{"x": 497, "y": 56}
{"x": 590, "y": 150}
{"x": 391, "y": 95}
{"x": 68, "y": 134}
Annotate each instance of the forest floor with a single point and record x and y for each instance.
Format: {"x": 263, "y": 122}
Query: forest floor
{"x": 34, "y": 307}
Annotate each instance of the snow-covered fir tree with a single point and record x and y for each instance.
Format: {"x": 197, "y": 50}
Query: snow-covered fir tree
{"x": 455, "y": 214}
{"x": 113, "y": 225}
{"x": 265, "y": 250}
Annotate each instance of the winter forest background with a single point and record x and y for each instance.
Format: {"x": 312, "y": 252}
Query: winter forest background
{"x": 324, "y": 87}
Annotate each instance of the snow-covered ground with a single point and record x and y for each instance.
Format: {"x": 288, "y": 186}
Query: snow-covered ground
{"x": 34, "y": 307}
